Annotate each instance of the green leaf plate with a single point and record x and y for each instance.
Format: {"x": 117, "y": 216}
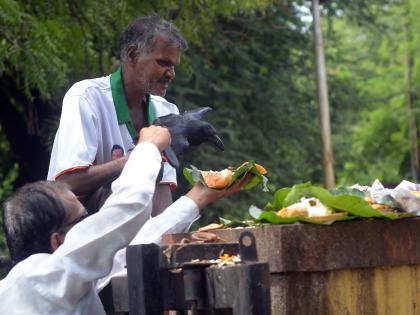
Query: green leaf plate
{"x": 193, "y": 175}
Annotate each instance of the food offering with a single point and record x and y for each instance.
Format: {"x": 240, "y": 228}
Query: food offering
{"x": 313, "y": 204}
{"x": 311, "y": 208}
{"x": 306, "y": 203}
{"x": 227, "y": 177}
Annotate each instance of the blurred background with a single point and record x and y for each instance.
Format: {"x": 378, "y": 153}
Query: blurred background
{"x": 253, "y": 62}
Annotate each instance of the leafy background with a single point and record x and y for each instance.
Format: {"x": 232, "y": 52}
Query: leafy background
{"x": 252, "y": 61}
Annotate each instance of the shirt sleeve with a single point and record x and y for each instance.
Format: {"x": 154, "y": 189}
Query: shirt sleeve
{"x": 76, "y": 142}
{"x": 169, "y": 176}
{"x": 177, "y": 218}
{"x": 89, "y": 248}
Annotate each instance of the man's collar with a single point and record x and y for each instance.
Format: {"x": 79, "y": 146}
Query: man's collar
{"x": 121, "y": 105}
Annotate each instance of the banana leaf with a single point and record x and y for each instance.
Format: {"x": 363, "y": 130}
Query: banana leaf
{"x": 347, "y": 191}
{"x": 193, "y": 175}
{"x": 350, "y": 203}
{"x": 236, "y": 223}
{"x": 341, "y": 200}
{"x": 271, "y": 217}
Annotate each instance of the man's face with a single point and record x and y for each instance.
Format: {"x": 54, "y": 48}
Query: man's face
{"x": 76, "y": 211}
{"x": 116, "y": 154}
{"x": 155, "y": 71}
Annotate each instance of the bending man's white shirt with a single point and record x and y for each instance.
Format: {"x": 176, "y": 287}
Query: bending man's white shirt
{"x": 65, "y": 282}
{"x": 177, "y": 218}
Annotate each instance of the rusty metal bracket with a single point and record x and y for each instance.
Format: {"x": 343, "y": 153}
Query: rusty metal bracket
{"x": 248, "y": 247}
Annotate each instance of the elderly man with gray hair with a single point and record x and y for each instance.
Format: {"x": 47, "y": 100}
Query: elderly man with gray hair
{"x": 98, "y": 114}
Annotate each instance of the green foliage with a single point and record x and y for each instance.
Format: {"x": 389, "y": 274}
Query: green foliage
{"x": 8, "y": 174}
{"x": 367, "y": 76}
{"x": 252, "y": 62}
{"x": 256, "y": 72}
{"x": 45, "y": 46}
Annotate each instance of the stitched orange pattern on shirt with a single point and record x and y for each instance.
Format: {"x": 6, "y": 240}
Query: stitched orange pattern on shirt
{"x": 70, "y": 170}
{"x": 172, "y": 185}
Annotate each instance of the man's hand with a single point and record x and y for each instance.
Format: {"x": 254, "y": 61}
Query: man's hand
{"x": 156, "y": 135}
{"x": 203, "y": 195}
{"x": 188, "y": 130}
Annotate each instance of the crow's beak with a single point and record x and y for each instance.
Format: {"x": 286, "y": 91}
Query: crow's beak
{"x": 215, "y": 139}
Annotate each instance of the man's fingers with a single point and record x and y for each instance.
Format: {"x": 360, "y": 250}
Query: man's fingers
{"x": 247, "y": 178}
{"x": 159, "y": 136}
{"x": 239, "y": 184}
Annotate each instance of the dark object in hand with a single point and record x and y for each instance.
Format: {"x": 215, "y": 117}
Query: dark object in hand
{"x": 188, "y": 130}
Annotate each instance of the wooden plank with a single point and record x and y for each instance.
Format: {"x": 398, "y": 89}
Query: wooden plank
{"x": 173, "y": 290}
{"x": 151, "y": 287}
{"x": 144, "y": 263}
{"x": 260, "y": 288}
{"x": 114, "y": 296}
{"x": 245, "y": 289}
{"x": 342, "y": 245}
{"x": 228, "y": 288}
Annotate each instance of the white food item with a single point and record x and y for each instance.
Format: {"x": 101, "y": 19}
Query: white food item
{"x": 313, "y": 206}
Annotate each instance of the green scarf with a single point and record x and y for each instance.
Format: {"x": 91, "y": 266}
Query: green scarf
{"x": 121, "y": 106}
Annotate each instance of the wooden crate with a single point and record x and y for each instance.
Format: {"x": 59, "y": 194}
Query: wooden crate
{"x": 349, "y": 268}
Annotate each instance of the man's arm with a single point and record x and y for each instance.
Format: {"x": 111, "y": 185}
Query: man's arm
{"x": 162, "y": 199}
{"x": 176, "y": 218}
{"x": 90, "y": 245}
{"x": 86, "y": 181}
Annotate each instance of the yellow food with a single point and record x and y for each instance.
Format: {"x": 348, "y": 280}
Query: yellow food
{"x": 380, "y": 206}
{"x": 260, "y": 168}
{"x": 306, "y": 207}
{"x": 296, "y": 212}
{"x": 311, "y": 208}
{"x": 416, "y": 193}
{"x": 210, "y": 227}
{"x": 330, "y": 217}
{"x": 221, "y": 179}
{"x": 217, "y": 180}
{"x": 368, "y": 199}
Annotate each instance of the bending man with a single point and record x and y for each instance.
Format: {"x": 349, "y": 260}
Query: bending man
{"x": 59, "y": 255}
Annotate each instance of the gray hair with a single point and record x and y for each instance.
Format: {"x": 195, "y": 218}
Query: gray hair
{"x": 30, "y": 216}
{"x": 142, "y": 32}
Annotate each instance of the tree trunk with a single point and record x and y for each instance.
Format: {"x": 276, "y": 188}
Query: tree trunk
{"x": 409, "y": 65}
{"x": 322, "y": 91}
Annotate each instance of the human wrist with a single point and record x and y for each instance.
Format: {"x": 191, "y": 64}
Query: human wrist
{"x": 158, "y": 136}
{"x": 148, "y": 146}
{"x": 203, "y": 196}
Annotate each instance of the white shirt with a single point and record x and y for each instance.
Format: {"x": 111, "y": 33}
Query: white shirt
{"x": 89, "y": 128}
{"x": 64, "y": 282}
